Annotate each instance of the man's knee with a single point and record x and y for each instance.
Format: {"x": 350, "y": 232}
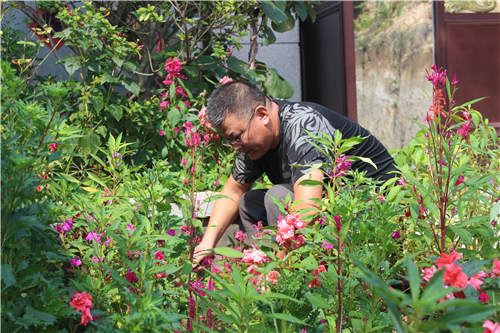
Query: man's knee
{"x": 278, "y": 192}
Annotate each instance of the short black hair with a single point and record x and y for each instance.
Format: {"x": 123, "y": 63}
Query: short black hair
{"x": 238, "y": 97}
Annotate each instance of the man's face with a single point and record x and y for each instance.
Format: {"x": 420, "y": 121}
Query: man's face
{"x": 248, "y": 135}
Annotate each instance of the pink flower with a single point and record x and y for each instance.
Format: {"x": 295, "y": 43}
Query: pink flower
{"x": 215, "y": 269}
{"x": 82, "y": 302}
{"x": 176, "y": 129}
{"x": 161, "y": 133}
{"x": 460, "y": 180}
{"x": 91, "y": 236}
{"x": 225, "y": 79}
{"x": 496, "y": 268}
{"x": 428, "y": 273}
{"x": 173, "y": 66}
{"x": 171, "y": 232}
{"x": 159, "y": 255}
{"x": 53, "y": 147}
{"x": 240, "y": 235}
{"x": 464, "y": 129}
{"x": 484, "y": 297}
{"x": 95, "y": 259}
{"x": 491, "y": 327}
{"x": 254, "y": 256}
{"x": 454, "y": 276}
{"x": 164, "y": 104}
{"x": 161, "y": 275}
{"x": 251, "y": 270}
{"x": 272, "y": 276}
{"x": 285, "y": 232}
{"x": 475, "y": 282}
{"x": 168, "y": 81}
{"x": 482, "y": 275}
{"x": 75, "y": 262}
{"x": 438, "y": 77}
{"x": 130, "y": 227}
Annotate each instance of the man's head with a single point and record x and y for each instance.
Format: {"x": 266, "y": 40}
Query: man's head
{"x": 239, "y": 98}
{"x": 245, "y": 117}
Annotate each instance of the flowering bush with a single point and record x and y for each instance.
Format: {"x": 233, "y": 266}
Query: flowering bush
{"x": 90, "y": 176}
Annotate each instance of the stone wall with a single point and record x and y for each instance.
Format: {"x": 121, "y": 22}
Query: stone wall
{"x": 392, "y": 53}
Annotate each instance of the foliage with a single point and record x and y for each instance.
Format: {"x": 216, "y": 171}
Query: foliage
{"x": 99, "y": 175}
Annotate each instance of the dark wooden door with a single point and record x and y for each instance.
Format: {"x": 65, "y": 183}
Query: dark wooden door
{"x": 468, "y": 45}
{"x": 327, "y": 56}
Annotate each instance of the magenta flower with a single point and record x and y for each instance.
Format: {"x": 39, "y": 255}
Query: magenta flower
{"x": 327, "y": 246}
{"x": 437, "y": 77}
{"x": 159, "y": 255}
{"x": 171, "y": 232}
{"x": 396, "y": 234}
{"x": 161, "y": 133}
{"x": 75, "y": 262}
{"x": 337, "y": 222}
{"x": 130, "y": 227}
{"x": 460, "y": 180}
{"x": 91, "y": 236}
{"x": 240, "y": 235}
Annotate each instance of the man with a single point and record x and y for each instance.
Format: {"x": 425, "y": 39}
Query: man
{"x": 271, "y": 137}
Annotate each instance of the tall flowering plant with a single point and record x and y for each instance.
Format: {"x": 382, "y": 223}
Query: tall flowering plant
{"x": 453, "y": 166}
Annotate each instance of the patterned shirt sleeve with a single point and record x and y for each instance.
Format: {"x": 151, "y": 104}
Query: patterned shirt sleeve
{"x": 245, "y": 170}
{"x": 298, "y": 148}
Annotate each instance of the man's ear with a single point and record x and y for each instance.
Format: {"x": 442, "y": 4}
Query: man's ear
{"x": 263, "y": 113}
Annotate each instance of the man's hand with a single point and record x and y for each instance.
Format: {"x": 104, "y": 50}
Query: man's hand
{"x": 201, "y": 252}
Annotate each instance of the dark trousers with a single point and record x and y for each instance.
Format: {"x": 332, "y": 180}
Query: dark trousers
{"x": 256, "y": 205}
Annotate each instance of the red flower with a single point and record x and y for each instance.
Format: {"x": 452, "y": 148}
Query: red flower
{"x": 53, "y": 147}
{"x": 454, "y": 276}
{"x": 484, "y": 297}
{"x": 314, "y": 283}
{"x": 131, "y": 277}
{"x": 159, "y": 255}
{"x": 460, "y": 180}
{"x": 445, "y": 259}
{"x": 82, "y": 302}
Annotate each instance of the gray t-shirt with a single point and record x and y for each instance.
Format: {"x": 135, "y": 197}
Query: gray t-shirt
{"x": 296, "y": 119}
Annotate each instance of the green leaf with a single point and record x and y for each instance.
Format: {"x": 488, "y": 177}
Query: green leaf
{"x": 413, "y": 278}
{"x": 116, "y": 111}
{"x": 474, "y": 266}
{"x": 285, "y": 25}
{"x": 131, "y": 86}
{"x": 276, "y": 86}
{"x": 72, "y": 64}
{"x": 467, "y": 311}
{"x": 68, "y": 178}
{"x": 118, "y": 61}
{"x": 311, "y": 182}
{"x": 286, "y": 317}
{"x": 228, "y": 252}
{"x": 37, "y": 318}
{"x": 309, "y": 263}
{"x": 317, "y": 300}
{"x": 273, "y": 11}
{"x": 8, "y": 277}
{"x": 236, "y": 65}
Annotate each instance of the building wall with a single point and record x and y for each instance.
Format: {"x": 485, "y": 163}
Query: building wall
{"x": 393, "y": 94}
{"x": 283, "y": 55}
